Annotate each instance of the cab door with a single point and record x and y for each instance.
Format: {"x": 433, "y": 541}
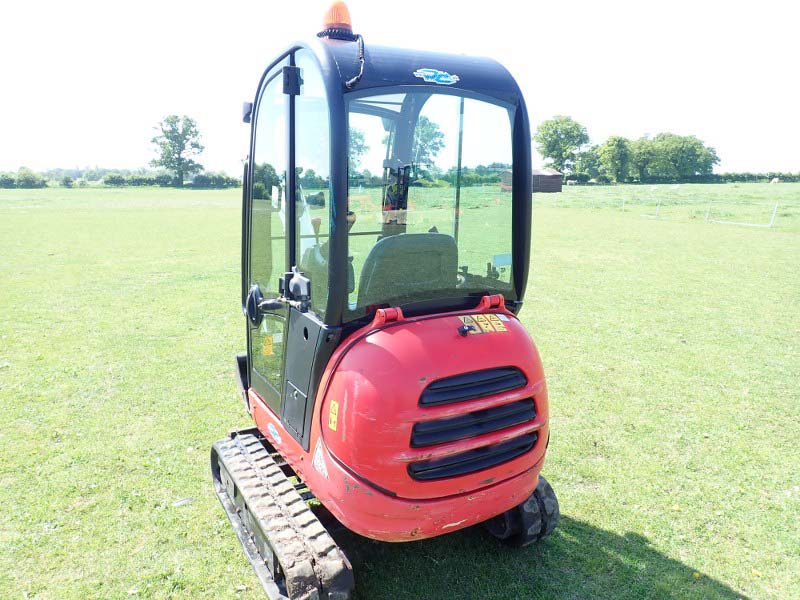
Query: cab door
{"x": 268, "y": 243}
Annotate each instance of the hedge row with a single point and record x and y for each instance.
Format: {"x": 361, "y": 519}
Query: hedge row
{"x": 24, "y": 178}
{"x": 202, "y": 181}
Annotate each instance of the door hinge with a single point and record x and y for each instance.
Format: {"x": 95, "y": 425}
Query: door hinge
{"x": 386, "y": 315}
{"x": 493, "y": 301}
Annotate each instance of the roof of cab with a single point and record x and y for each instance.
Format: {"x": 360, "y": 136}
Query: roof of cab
{"x": 386, "y": 66}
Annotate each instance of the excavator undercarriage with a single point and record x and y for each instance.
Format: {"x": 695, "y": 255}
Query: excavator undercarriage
{"x": 292, "y": 553}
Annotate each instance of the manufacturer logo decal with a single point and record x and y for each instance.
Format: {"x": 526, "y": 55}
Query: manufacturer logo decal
{"x": 273, "y": 431}
{"x": 436, "y": 76}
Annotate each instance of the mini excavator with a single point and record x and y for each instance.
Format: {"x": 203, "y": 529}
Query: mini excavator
{"x": 393, "y": 389}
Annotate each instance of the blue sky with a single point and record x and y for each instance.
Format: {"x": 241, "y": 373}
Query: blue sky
{"x": 84, "y": 82}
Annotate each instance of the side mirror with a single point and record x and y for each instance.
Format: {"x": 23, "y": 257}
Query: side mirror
{"x": 247, "y": 111}
{"x": 251, "y": 304}
{"x": 255, "y": 306}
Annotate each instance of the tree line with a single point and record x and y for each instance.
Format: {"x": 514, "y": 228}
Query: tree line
{"x": 433, "y": 177}
{"x": 562, "y": 141}
{"x": 664, "y": 158}
{"x": 26, "y": 178}
{"x": 177, "y": 145}
{"x": 428, "y": 141}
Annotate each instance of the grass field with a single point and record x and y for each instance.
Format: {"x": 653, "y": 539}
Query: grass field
{"x": 746, "y": 204}
{"x": 672, "y": 348}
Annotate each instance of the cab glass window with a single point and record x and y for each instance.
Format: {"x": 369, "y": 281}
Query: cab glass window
{"x": 430, "y": 202}
{"x": 312, "y": 164}
{"x": 268, "y": 226}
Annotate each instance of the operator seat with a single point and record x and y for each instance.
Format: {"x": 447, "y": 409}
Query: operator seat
{"x": 408, "y": 264}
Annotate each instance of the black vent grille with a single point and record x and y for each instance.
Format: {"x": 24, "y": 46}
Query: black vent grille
{"x": 440, "y": 431}
{"x": 472, "y": 460}
{"x": 468, "y": 386}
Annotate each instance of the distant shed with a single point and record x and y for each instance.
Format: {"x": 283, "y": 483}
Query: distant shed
{"x": 505, "y": 181}
{"x": 546, "y": 180}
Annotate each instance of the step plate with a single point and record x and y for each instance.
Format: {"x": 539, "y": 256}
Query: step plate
{"x": 293, "y": 555}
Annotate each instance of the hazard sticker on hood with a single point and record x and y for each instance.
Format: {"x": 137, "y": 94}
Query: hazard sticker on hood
{"x": 488, "y": 323}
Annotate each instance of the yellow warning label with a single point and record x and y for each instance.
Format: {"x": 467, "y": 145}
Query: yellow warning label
{"x": 497, "y": 323}
{"x": 489, "y": 323}
{"x": 484, "y": 324}
{"x": 266, "y": 347}
{"x": 333, "y": 415}
{"x": 470, "y": 322}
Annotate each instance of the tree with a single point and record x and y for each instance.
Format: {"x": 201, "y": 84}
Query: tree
{"x": 264, "y": 179}
{"x": 310, "y": 180}
{"x": 643, "y": 154}
{"x": 559, "y": 140}
{"x": 177, "y": 143}
{"x": 214, "y": 181}
{"x": 669, "y": 157}
{"x": 428, "y": 142}
{"x": 7, "y": 181}
{"x": 615, "y": 158}
{"x": 587, "y": 165}
{"x": 114, "y": 179}
{"x": 685, "y": 155}
{"x": 28, "y": 179}
{"x": 67, "y": 181}
{"x": 358, "y": 148}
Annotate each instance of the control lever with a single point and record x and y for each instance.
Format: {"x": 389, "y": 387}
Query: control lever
{"x": 315, "y": 223}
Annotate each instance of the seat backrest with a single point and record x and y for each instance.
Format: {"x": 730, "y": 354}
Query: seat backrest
{"x": 406, "y": 264}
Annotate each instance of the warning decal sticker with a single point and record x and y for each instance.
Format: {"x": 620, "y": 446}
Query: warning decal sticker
{"x": 489, "y": 323}
{"x": 319, "y": 462}
{"x": 470, "y": 322}
{"x": 333, "y": 415}
{"x": 484, "y": 323}
{"x": 497, "y": 323}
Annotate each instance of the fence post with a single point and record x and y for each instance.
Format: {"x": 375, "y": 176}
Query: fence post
{"x": 774, "y": 213}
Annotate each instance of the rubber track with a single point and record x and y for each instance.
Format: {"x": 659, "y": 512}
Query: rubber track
{"x": 311, "y": 562}
{"x": 529, "y": 522}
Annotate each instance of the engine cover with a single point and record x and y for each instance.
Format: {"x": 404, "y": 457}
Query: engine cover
{"x": 435, "y": 406}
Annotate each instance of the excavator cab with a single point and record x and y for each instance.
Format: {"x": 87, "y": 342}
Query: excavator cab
{"x": 383, "y": 265}
{"x": 384, "y": 196}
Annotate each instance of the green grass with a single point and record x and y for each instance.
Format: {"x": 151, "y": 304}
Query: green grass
{"x": 748, "y": 203}
{"x": 672, "y": 349}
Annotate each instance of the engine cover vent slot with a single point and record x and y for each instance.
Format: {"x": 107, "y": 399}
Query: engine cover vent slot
{"x": 472, "y": 460}
{"x": 468, "y": 386}
{"x": 479, "y": 422}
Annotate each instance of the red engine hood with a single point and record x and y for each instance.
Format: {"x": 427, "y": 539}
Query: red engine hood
{"x": 372, "y": 399}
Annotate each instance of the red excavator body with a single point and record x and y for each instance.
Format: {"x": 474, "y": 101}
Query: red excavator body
{"x": 386, "y": 219}
{"x": 393, "y": 467}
